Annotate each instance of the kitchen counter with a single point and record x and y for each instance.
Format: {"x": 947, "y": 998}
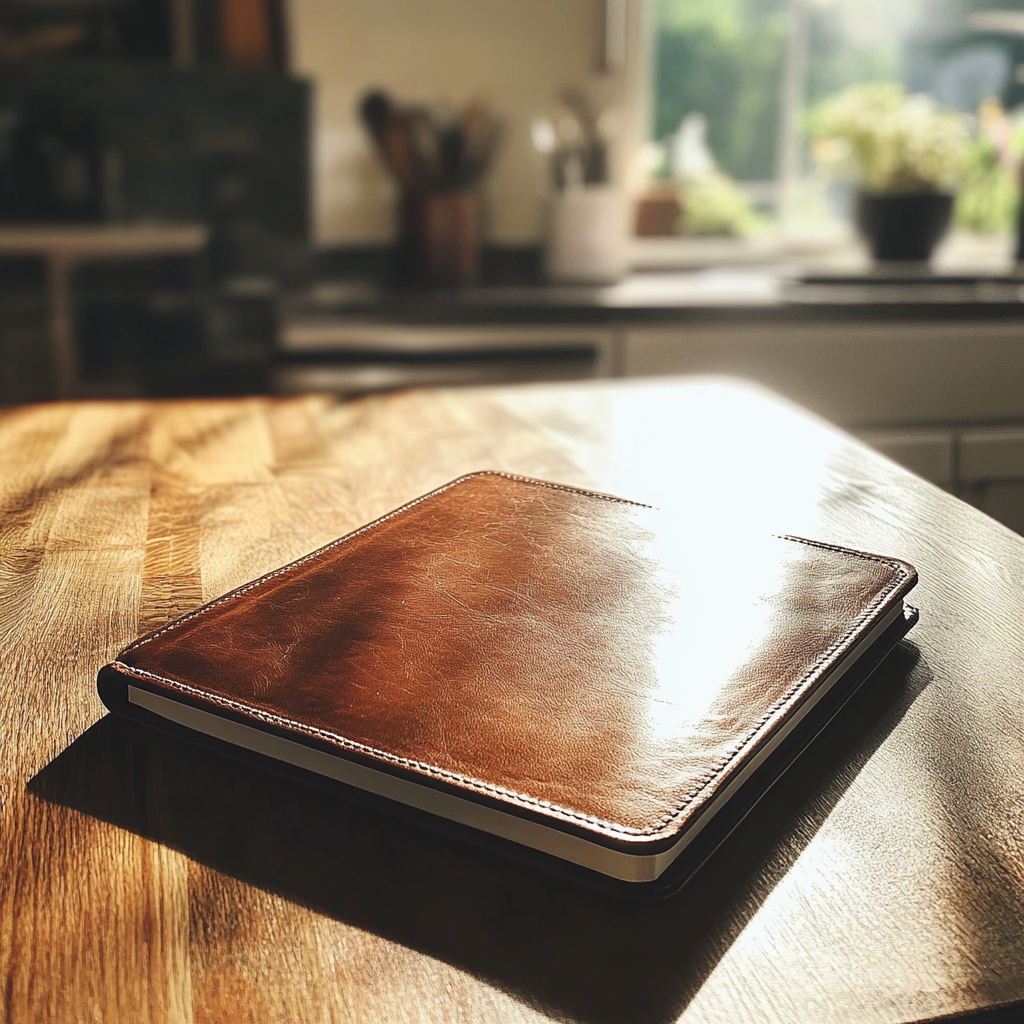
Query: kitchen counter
{"x": 865, "y": 350}
{"x": 775, "y": 293}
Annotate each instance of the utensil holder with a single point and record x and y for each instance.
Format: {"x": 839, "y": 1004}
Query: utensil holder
{"x": 439, "y": 237}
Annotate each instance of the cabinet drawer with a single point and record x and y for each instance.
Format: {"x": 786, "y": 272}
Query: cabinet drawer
{"x": 929, "y": 453}
{"x": 854, "y": 374}
{"x": 991, "y": 454}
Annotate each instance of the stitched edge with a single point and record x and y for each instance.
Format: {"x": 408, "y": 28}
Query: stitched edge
{"x": 253, "y": 584}
{"x": 822, "y": 662}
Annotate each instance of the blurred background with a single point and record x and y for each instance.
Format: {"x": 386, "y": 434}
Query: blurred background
{"x": 213, "y": 197}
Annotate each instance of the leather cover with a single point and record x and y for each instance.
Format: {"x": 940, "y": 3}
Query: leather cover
{"x": 566, "y": 656}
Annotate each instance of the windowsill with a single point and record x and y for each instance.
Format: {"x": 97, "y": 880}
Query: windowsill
{"x": 835, "y": 252}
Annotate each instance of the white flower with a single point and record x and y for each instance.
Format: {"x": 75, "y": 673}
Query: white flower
{"x": 896, "y": 143}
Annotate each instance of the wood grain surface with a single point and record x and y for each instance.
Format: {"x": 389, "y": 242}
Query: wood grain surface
{"x": 143, "y": 880}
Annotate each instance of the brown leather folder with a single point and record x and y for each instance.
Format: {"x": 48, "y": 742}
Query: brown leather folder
{"x": 569, "y": 671}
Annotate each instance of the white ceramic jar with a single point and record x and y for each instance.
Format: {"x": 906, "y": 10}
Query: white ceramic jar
{"x": 588, "y": 234}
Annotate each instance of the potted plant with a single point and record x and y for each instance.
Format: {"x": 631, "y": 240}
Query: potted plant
{"x": 905, "y": 152}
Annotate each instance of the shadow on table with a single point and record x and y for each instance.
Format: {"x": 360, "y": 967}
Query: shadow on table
{"x": 555, "y": 946}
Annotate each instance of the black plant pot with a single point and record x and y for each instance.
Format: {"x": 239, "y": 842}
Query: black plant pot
{"x": 903, "y": 226}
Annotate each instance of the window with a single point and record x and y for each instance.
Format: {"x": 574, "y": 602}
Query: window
{"x": 735, "y": 80}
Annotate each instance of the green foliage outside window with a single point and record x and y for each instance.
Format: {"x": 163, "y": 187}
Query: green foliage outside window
{"x": 987, "y": 200}
{"x": 989, "y": 193}
{"x": 723, "y": 58}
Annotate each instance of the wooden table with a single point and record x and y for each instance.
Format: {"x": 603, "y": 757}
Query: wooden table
{"x": 64, "y": 246}
{"x": 144, "y": 880}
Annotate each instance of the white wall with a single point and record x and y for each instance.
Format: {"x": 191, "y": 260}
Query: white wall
{"x": 517, "y": 54}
